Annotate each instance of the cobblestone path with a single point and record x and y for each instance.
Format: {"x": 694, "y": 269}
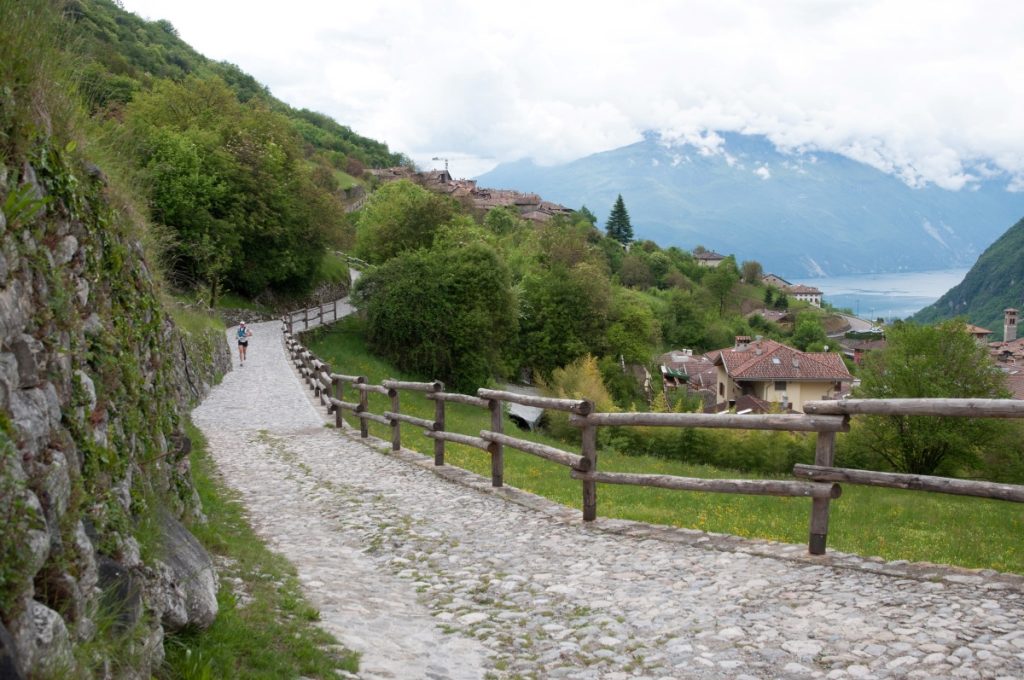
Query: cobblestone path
{"x": 436, "y": 576}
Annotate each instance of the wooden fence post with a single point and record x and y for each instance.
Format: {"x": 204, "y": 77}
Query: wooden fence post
{"x": 320, "y": 314}
{"x": 305, "y": 318}
{"x": 589, "y": 451}
{"x": 339, "y": 391}
{"x": 364, "y": 406}
{"x": 396, "y": 427}
{"x": 325, "y": 393}
{"x": 439, "y": 427}
{"x": 496, "y": 450}
{"x": 824, "y": 453}
{"x": 335, "y": 309}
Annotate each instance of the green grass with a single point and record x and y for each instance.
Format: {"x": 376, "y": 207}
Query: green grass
{"x": 890, "y": 523}
{"x": 333, "y": 269}
{"x": 345, "y": 180}
{"x": 231, "y": 300}
{"x": 273, "y": 634}
{"x": 195, "y": 322}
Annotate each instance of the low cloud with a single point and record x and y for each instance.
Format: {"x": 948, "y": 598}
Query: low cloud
{"x": 929, "y": 96}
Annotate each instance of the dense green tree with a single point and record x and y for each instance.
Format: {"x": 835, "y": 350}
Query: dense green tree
{"x": 229, "y": 180}
{"x": 768, "y": 297}
{"x": 400, "y": 216}
{"x": 585, "y": 214}
{"x": 927, "y": 361}
{"x": 563, "y": 315}
{"x": 808, "y": 334}
{"x": 635, "y": 272}
{"x": 502, "y": 220}
{"x": 752, "y": 271}
{"x": 618, "y": 226}
{"x": 683, "y": 326}
{"x": 446, "y": 313}
{"x": 721, "y": 280}
{"x": 634, "y": 332}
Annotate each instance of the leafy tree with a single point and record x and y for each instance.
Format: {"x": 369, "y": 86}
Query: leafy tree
{"x": 564, "y": 315}
{"x": 584, "y": 213}
{"x": 634, "y": 332}
{"x": 809, "y": 335}
{"x": 400, "y": 216}
{"x": 683, "y": 325}
{"x": 768, "y": 299}
{"x": 927, "y": 361}
{"x": 752, "y": 271}
{"x": 635, "y": 272}
{"x": 229, "y": 180}
{"x": 720, "y": 281}
{"x": 618, "y": 226}
{"x": 502, "y": 220}
{"x": 782, "y": 301}
{"x": 444, "y": 313}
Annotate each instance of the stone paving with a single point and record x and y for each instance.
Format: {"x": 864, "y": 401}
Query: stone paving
{"x": 430, "y": 573}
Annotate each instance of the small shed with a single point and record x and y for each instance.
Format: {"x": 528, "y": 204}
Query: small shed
{"x": 525, "y": 417}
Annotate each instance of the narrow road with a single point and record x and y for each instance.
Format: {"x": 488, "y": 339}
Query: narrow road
{"x": 434, "y": 578}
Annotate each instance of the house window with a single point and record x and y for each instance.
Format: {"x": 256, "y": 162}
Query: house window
{"x": 780, "y": 385}
{"x": 721, "y": 389}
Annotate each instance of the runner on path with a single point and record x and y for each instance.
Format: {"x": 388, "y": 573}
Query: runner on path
{"x": 243, "y": 342}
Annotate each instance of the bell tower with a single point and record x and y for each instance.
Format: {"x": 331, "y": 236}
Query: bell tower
{"x": 1009, "y": 324}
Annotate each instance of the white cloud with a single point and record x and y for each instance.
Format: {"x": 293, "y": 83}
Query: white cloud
{"x": 929, "y": 91}
{"x": 763, "y": 172}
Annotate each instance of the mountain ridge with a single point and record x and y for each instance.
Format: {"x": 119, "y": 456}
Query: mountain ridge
{"x": 830, "y": 214}
{"x": 995, "y": 282}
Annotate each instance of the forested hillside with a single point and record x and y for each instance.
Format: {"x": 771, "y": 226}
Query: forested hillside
{"x": 245, "y": 192}
{"x": 995, "y": 282}
{"x": 466, "y": 298}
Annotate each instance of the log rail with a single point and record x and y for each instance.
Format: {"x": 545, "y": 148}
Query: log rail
{"x": 818, "y": 482}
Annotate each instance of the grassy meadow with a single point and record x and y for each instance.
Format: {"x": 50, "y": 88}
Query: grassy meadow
{"x": 894, "y": 524}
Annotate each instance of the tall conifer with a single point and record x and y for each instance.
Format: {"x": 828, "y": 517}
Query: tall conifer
{"x": 618, "y": 226}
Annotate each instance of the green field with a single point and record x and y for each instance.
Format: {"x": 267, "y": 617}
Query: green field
{"x": 869, "y": 521}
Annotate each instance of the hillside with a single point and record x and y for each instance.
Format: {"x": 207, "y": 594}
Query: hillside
{"x": 125, "y": 54}
{"x": 995, "y": 282}
{"x": 799, "y": 213}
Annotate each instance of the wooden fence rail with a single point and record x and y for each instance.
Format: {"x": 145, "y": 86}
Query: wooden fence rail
{"x": 819, "y": 482}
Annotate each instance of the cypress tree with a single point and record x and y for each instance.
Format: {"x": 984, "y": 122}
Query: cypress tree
{"x": 618, "y": 226}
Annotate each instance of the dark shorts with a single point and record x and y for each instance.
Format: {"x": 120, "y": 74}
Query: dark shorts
{"x": 243, "y": 343}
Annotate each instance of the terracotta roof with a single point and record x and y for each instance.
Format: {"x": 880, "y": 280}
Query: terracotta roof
{"x": 699, "y": 368}
{"x": 976, "y": 330}
{"x": 800, "y": 289}
{"x": 709, "y": 255}
{"x": 769, "y": 360}
{"x": 1015, "y": 382}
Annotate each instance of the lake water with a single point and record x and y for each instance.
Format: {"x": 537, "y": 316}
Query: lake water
{"x": 890, "y": 296}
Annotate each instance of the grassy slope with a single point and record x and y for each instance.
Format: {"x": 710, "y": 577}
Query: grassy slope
{"x": 870, "y": 521}
{"x": 265, "y": 629}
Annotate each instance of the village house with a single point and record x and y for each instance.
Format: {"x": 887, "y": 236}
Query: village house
{"x": 980, "y": 334}
{"x": 775, "y": 281}
{"x": 530, "y": 206}
{"x": 808, "y": 294}
{"x": 708, "y": 258}
{"x": 694, "y": 373}
{"x": 777, "y": 374}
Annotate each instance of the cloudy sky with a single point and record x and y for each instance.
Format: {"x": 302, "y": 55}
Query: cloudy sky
{"x": 932, "y": 91}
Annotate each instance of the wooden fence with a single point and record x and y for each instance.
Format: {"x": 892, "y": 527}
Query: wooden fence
{"x": 819, "y": 482}
{"x": 312, "y": 317}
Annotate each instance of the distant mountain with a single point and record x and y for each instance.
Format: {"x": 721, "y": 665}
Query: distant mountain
{"x": 800, "y": 214}
{"x": 994, "y": 283}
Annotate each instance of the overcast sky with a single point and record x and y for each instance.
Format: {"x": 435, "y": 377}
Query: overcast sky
{"x": 932, "y": 91}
